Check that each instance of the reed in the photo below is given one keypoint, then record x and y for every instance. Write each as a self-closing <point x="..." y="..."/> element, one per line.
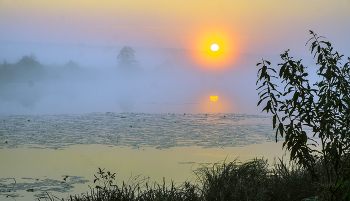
<point x="251" y="180"/>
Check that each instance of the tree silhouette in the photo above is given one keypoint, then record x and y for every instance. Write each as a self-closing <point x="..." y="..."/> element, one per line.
<point x="28" y="61"/>
<point x="126" y="58"/>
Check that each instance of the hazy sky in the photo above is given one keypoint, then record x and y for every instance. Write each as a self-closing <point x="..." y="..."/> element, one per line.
<point x="257" y="26"/>
<point x="173" y="34"/>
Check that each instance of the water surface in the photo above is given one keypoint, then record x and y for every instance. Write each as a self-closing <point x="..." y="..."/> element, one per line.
<point x="60" y="154"/>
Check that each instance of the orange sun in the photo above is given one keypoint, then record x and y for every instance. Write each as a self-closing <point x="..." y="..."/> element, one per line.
<point x="214" y="49"/>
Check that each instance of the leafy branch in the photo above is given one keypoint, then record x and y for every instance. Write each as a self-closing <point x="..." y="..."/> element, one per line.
<point x="323" y="106"/>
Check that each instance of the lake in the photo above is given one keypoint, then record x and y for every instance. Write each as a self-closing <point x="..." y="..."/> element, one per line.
<point x="60" y="154"/>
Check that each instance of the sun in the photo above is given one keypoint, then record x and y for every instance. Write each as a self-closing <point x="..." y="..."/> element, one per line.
<point x="213" y="98"/>
<point x="214" y="47"/>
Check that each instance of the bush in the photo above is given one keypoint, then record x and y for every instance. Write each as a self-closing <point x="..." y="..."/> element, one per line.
<point x="323" y="106"/>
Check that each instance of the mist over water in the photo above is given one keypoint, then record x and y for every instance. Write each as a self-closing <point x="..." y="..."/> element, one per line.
<point x="41" y="78"/>
<point x="83" y="89"/>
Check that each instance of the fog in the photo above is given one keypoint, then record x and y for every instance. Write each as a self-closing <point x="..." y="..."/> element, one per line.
<point x="37" y="78"/>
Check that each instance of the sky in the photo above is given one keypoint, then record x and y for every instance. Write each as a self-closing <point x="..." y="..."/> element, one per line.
<point x="257" y="26"/>
<point x="246" y="31"/>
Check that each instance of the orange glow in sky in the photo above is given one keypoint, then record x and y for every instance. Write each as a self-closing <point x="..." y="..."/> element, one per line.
<point x="205" y="57"/>
<point x="177" y="24"/>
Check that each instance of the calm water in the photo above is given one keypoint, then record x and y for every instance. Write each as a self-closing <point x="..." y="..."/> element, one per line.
<point x="38" y="152"/>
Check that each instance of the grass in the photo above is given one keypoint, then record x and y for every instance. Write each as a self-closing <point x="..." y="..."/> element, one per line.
<point x="252" y="180"/>
<point x="255" y="180"/>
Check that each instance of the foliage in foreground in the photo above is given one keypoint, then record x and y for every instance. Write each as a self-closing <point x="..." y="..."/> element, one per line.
<point x="252" y="180"/>
<point x="323" y="106"/>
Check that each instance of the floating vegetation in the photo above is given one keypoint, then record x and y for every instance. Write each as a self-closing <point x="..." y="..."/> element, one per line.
<point x="9" y="187"/>
<point x="134" y="130"/>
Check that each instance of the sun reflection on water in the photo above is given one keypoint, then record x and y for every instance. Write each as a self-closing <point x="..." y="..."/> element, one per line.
<point x="217" y="103"/>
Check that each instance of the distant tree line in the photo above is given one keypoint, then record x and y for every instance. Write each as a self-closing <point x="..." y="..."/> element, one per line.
<point x="28" y="68"/>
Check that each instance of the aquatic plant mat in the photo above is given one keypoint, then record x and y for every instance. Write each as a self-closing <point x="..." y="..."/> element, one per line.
<point x="134" y="130"/>
<point x="57" y="154"/>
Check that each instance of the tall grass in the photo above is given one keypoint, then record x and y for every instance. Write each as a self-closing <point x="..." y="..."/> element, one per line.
<point x="255" y="180"/>
<point x="252" y="180"/>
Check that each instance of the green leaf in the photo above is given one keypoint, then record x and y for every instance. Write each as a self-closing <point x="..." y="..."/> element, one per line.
<point x="293" y="152"/>
<point x="267" y="107"/>
<point x="280" y="127"/>
<point x="261" y="100"/>
<point x="274" y="121"/>
<point x="263" y="94"/>
<point x="320" y="57"/>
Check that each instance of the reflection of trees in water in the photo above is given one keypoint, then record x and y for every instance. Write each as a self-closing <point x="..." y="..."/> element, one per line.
<point x="26" y="94"/>
<point x="126" y="104"/>
<point x="22" y="81"/>
<point x="31" y="83"/>
<point x="129" y="75"/>
<point x="127" y="92"/>
<point x="18" y="81"/>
